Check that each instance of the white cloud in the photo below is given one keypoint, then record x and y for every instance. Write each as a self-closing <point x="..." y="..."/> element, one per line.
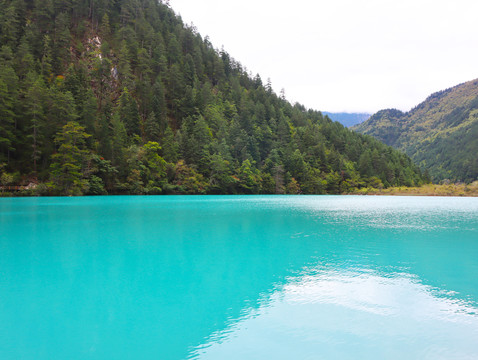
<point x="346" y="55"/>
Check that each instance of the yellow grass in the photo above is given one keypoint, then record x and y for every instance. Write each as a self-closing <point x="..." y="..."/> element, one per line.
<point x="426" y="190"/>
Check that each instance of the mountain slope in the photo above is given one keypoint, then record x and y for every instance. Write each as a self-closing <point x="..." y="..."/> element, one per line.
<point x="440" y="134"/>
<point x="347" y="119"/>
<point x="121" y="97"/>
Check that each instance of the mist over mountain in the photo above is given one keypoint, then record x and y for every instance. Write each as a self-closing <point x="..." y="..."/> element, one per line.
<point x="348" y="119"/>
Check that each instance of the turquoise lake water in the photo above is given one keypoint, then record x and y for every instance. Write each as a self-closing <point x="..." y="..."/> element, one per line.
<point x="239" y="277"/>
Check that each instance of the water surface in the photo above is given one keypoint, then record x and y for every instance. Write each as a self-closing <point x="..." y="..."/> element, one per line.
<point x="236" y="277"/>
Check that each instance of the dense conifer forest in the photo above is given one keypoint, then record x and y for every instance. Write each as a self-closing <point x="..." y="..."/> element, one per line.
<point x="121" y="97"/>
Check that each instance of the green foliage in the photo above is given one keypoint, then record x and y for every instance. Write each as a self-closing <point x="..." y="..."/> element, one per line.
<point x="34" y="103"/>
<point x="6" y="178"/>
<point x="120" y="97"/>
<point x="248" y="178"/>
<point x="69" y="162"/>
<point x="96" y="186"/>
<point x="128" y="112"/>
<point x="188" y="181"/>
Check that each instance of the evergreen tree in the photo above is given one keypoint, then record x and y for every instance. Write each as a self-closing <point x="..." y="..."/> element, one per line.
<point x="69" y="162"/>
<point x="7" y="123"/>
<point x="34" y="104"/>
<point x="128" y="113"/>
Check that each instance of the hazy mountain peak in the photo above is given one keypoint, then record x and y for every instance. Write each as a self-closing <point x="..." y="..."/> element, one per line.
<point x="347" y="119"/>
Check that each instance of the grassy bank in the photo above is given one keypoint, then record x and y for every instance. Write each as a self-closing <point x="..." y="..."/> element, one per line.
<point x="426" y="190"/>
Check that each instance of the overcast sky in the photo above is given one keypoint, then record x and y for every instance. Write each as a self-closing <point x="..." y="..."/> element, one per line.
<point x="346" y="55"/>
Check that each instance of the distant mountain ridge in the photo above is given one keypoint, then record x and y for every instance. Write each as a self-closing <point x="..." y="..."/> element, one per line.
<point x="347" y="119"/>
<point x="440" y="134"/>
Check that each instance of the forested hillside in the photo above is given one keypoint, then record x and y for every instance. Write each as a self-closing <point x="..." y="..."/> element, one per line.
<point x="440" y="134"/>
<point x="120" y="97"/>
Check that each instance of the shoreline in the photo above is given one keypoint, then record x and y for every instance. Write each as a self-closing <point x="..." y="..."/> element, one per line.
<point x="450" y="190"/>
<point x="457" y="190"/>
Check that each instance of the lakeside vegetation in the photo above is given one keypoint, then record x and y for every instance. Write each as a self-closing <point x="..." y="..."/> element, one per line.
<point x="121" y="97"/>
<point x="425" y="190"/>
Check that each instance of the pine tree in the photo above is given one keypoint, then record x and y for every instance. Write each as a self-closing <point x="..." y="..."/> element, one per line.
<point x="8" y="97"/>
<point x="69" y="162"/>
<point x="170" y="147"/>
<point x="46" y="60"/>
<point x="34" y="104"/>
<point x="7" y="123"/>
<point x="128" y="113"/>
